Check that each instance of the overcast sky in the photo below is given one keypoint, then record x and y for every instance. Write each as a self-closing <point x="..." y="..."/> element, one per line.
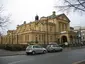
<point x="25" y="10"/>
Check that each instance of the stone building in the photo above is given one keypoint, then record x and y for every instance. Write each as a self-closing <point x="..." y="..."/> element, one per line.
<point x="53" y="28"/>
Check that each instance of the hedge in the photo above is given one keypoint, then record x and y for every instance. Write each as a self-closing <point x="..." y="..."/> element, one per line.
<point x="13" y="47"/>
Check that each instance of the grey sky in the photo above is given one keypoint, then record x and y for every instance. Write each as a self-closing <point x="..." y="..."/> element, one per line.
<point x="25" y="10"/>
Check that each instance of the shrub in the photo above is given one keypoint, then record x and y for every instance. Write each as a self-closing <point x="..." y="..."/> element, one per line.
<point x="13" y="47"/>
<point x="2" y="46"/>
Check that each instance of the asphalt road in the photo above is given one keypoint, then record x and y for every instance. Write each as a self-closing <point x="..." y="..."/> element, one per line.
<point x="64" y="57"/>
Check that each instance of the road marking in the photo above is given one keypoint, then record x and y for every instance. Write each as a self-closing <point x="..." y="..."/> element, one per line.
<point x="20" y="61"/>
<point x="78" y="62"/>
<point x="7" y="56"/>
<point x="10" y="56"/>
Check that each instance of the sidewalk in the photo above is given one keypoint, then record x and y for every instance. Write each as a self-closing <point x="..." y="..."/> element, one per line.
<point x="73" y="48"/>
<point x="10" y="53"/>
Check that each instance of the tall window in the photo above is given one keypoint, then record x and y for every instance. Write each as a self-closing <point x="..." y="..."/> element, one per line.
<point x="50" y="38"/>
<point x="39" y="27"/>
<point x="39" y="37"/>
<point x="51" y="28"/>
<point x="28" y="37"/>
<point x="66" y="26"/>
<point x="36" y="38"/>
<point x="59" y="27"/>
<point x="42" y="37"/>
<point x="62" y="27"/>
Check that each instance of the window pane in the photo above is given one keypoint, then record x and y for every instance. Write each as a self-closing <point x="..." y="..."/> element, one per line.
<point x="36" y="46"/>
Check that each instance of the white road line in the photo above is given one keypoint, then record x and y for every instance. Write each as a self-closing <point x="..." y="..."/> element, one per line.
<point x="10" y="56"/>
<point x="20" y="61"/>
<point x="7" y="56"/>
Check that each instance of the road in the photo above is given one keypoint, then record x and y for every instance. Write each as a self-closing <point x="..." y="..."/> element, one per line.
<point x="64" y="57"/>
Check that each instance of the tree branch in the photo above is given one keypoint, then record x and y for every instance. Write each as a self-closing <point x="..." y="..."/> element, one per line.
<point x="81" y="3"/>
<point x="74" y="5"/>
<point x="70" y="5"/>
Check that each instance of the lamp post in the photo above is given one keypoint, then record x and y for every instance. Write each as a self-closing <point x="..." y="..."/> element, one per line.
<point x="79" y="36"/>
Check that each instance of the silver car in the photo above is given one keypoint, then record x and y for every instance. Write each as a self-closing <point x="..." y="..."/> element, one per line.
<point x="35" y="49"/>
<point x="53" y="48"/>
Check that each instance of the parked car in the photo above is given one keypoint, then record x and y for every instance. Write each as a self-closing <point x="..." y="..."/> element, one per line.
<point x="53" y="48"/>
<point x="33" y="49"/>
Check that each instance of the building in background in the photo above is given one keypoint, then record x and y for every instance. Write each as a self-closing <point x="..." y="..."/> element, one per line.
<point x="53" y="28"/>
<point x="80" y="34"/>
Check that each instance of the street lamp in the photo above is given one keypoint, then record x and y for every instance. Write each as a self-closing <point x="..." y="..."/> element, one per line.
<point x="79" y="36"/>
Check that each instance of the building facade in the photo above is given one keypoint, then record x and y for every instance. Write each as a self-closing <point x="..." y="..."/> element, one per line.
<point x="53" y="28"/>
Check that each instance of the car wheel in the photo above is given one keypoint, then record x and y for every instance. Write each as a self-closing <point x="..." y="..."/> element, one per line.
<point x="44" y="51"/>
<point x="33" y="52"/>
<point x="61" y="50"/>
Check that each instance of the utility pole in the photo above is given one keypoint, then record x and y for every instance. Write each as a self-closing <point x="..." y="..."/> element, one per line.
<point x="79" y="36"/>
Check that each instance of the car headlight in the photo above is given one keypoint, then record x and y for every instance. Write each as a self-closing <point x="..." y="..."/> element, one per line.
<point x="30" y="50"/>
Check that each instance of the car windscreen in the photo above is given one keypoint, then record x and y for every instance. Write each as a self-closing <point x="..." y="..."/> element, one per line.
<point x="55" y="45"/>
<point x="29" y="46"/>
<point x="37" y="47"/>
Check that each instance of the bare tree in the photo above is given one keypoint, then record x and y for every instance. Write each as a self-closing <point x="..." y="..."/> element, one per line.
<point x="72" y="5"/>
<point x="4" y="20"/>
